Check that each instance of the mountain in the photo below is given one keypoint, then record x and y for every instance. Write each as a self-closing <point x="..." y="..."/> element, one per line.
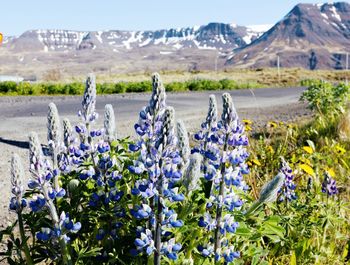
<point x="312" y="36"/>
<point x="212" y="36"/>
<point x="37" y="52"/>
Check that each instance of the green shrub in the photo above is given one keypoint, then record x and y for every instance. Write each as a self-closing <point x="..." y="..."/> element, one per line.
<point x="143" y="86"/>
<point x="8" y="86"/>
<point x="228" y="84"/>
<point x="176" y="86"/>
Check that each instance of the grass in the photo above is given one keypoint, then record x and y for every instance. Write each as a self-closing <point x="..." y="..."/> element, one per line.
<point x="228" y="79"/>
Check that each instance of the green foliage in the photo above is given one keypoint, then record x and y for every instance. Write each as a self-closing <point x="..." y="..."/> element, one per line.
<point x="326" y="98"/>
<point x="26" y="88"/>
<point x="313" y="229"/>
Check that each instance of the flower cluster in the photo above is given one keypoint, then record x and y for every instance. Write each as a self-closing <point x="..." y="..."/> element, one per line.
<point x="17" y="202"/>
<point x="222" y="145"/>
<point x="287" y="191"/>
<point x="45" y="195"/>
<point x="159" y="163"/>
<point x="60" y="230"/>
<point x="329" y="185"/>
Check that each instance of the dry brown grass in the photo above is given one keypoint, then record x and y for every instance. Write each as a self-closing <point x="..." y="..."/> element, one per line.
<point x="265" y="76"/>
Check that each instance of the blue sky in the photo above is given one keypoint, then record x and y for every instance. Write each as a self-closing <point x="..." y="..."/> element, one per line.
<point x="17" y="16"/>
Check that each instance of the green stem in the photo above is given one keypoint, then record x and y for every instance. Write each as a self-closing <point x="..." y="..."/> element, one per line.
<point x="192" y="244"/>
<point x="219" y="209"/>
<point x="24" y="241"/>
<point x="67" y="260"/>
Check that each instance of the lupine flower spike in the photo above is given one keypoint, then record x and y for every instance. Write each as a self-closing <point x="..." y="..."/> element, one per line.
<point x="17" y="202"/>
<point x="54" y="140"/>
<point x="44" y="196"/>
<point x="222" y="145"/>
<point x="183" y="144"/>
<point x="329" y="186"/>
<point x="159" y="158"/>
<point x="193" y="173"/>
<point x="109" y="124"/>
<point x="288" y="189"/>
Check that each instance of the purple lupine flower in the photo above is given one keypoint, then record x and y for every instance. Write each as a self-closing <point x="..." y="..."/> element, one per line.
<point x="145" y="242"/>
<point x="45" y="194"/>
<point x="17" y="202"/>
<point x="159" y="161"/>
<point x="329" y="185"/>
<point x="170" y="249"/>
<point x="287" y="191"/>
<point x="222" y="145"/>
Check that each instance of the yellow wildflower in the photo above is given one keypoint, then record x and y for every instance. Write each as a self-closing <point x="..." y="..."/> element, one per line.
<point x="272" y="124"/>
<point x="247" y="122"/>
<point x="256" y="162"/>
<point x="248" y="128"/>
<point x="270" y="149"/>
<point x="308" y="149"/>
<point x="340" y="150"/>
<point x="307" y="169"/>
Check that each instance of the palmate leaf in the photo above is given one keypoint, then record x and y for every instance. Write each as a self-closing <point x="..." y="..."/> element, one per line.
<point x="271" y="227"/>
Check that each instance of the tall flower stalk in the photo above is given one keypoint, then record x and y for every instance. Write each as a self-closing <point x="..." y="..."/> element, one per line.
<point x="54" y="139"/>
<point x="222" y="145"/>
<point x="17" y="202"/>
<point x="109" y="124"/>
<point x="158" y="162"/>
<point x="287" y="191"/>
<point x="44" y="196"/>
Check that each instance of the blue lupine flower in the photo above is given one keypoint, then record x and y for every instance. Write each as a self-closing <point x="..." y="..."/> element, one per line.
<point x="37" y="203"/>
<point x="100" y="234"/>
<point x="207" y="222"/>
<point x="137" y="168"/>
<point x="145" y="242"/>
<point x="206" y="250"/>
<point x="87" y="173"/>
<point x="141" y="212"/>
<point x="170" y="249"/>
<point x="115" y="195"/>
<point x="159" y="159"/>
<point x="45" y="234"/>
<point x="329" y="185"/>
<point x="222" y="145"/>
<point x="228" y="224"/>
<point x="103" y="147"/>
<point x="287" y="191"/>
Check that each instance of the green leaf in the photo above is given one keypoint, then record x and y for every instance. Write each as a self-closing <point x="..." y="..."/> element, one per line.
<point x="243" y="231"/>
<point x="90" y="185"/>
<point x="270" y="228"/>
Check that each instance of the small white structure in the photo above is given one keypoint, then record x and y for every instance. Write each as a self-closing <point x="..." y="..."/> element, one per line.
<point x="17" y="79"/>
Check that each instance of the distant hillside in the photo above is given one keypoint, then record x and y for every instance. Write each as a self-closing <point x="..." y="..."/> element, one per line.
<point x="70" y="52"/>
<point x="309" y="36"/>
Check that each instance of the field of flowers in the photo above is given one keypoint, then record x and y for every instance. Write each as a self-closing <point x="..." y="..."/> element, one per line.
<point x="226" y="194"/>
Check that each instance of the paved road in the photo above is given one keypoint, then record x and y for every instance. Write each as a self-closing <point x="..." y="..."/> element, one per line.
<point x="127" y="106"/>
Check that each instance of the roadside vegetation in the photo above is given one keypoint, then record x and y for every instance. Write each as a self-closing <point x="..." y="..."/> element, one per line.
<point x="178" y="81"/>
<point x="225" y="194"/>
<point x="25" y="88"/>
